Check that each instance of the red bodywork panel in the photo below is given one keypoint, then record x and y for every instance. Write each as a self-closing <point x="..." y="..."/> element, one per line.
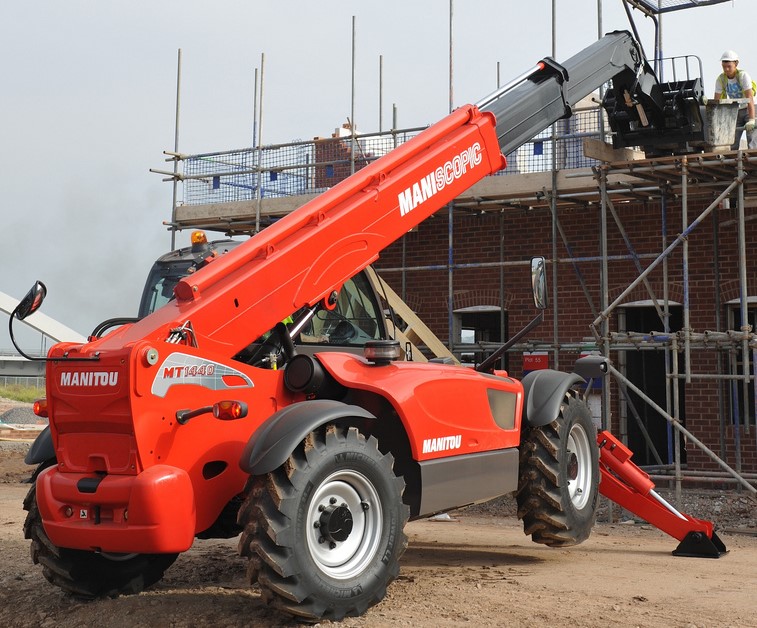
<point x="445" y="410"/>
<point x="123" y="429"/>
<point x="153" y="512"/>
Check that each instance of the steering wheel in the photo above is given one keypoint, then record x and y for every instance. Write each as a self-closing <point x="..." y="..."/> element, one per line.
<point x="342" y="333"/>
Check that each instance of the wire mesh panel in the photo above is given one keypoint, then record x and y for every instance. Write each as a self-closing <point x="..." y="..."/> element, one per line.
<point x="664" y="6"/>
<point x="310" y="167"/>
<point x="237" y="175"/>
<point x="292" y="169"/>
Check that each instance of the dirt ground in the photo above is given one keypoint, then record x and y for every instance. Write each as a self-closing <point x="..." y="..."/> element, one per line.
<point x="475" y="569"/>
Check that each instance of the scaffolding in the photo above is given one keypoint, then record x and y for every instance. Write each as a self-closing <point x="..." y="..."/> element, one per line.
<point x="306" y="168"/>
<point x="717" y="179"/>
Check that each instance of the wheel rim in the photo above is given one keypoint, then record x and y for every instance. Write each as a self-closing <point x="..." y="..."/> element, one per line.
<point x="579" y="468"/>
<point x="344" y="524"/>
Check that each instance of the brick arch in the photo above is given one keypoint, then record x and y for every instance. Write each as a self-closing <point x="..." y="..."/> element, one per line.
<point x="470" y="298"/>
<point x="640" y="292"/>
<point x="729" y="290"/>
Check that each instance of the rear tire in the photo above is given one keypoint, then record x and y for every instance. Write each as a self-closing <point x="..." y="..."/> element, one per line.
<point x="88" y="575"/>
<point x="324" y="532"/>
<point x="558" y="487"/>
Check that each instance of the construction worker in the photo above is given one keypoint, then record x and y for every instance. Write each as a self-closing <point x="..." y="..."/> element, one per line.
<point x="735" y="83"/>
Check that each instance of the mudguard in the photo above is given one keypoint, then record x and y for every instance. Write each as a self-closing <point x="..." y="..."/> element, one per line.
<point x="543" y="392"/>
<point x="42" y="448"/>
<point x="273" y="442"/>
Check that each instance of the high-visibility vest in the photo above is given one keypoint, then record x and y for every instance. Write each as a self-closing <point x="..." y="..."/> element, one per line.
<point x="724" y="83"/>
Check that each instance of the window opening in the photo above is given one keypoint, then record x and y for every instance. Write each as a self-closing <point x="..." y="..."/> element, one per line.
<point x="480" y="328"/>
<point x="647" y="370"/>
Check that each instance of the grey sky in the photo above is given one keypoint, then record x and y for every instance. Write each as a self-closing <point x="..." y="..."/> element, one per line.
<point x="89" y="93"/>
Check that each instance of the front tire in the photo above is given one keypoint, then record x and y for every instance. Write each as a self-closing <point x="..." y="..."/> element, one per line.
<point x="558" y="486"/>
<point x="325" y="531"/>
<point x="84" y="574"/>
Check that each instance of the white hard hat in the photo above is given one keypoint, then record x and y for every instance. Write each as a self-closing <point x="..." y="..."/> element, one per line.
<point x="729" y="55"/>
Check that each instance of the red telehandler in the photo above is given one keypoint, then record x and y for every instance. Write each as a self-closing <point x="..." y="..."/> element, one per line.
<point x="203" y="420"/>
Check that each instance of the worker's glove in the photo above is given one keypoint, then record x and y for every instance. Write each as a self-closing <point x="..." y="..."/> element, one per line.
<point x="749" y="126"/>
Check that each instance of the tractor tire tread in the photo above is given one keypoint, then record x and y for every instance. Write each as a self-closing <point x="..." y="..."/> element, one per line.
<point x="269" y="535"/>
<point x="83" y="574"/>
<point x="547" y="514"/>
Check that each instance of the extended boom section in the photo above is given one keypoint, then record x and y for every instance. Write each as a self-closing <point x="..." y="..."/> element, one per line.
<point x="662" y="118"/>
<point x="304" y="257"/>
<point x="550" y="92"/>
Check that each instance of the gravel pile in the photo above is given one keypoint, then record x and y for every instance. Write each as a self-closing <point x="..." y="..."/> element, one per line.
<point x="727" y="509"/>
<point x="19" y="416"/>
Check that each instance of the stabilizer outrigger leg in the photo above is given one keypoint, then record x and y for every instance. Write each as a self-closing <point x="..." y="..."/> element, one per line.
<point x="697" y="545"/>
<point x="628" y="486"/>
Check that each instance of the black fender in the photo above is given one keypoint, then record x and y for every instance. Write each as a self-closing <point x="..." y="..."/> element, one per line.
<point x="42" y="448"/>
<point x="544" y="392"/>
<point x="272" y="443"/>
<point x="592" y="366"/>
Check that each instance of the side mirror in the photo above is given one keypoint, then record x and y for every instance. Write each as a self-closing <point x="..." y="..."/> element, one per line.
<point x="31" y="302"/>
<point x="539" y="282"/>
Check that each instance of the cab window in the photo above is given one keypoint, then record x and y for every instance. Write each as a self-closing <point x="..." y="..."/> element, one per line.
<point x="354" y="320"/>
<point x="158" y="291"/>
